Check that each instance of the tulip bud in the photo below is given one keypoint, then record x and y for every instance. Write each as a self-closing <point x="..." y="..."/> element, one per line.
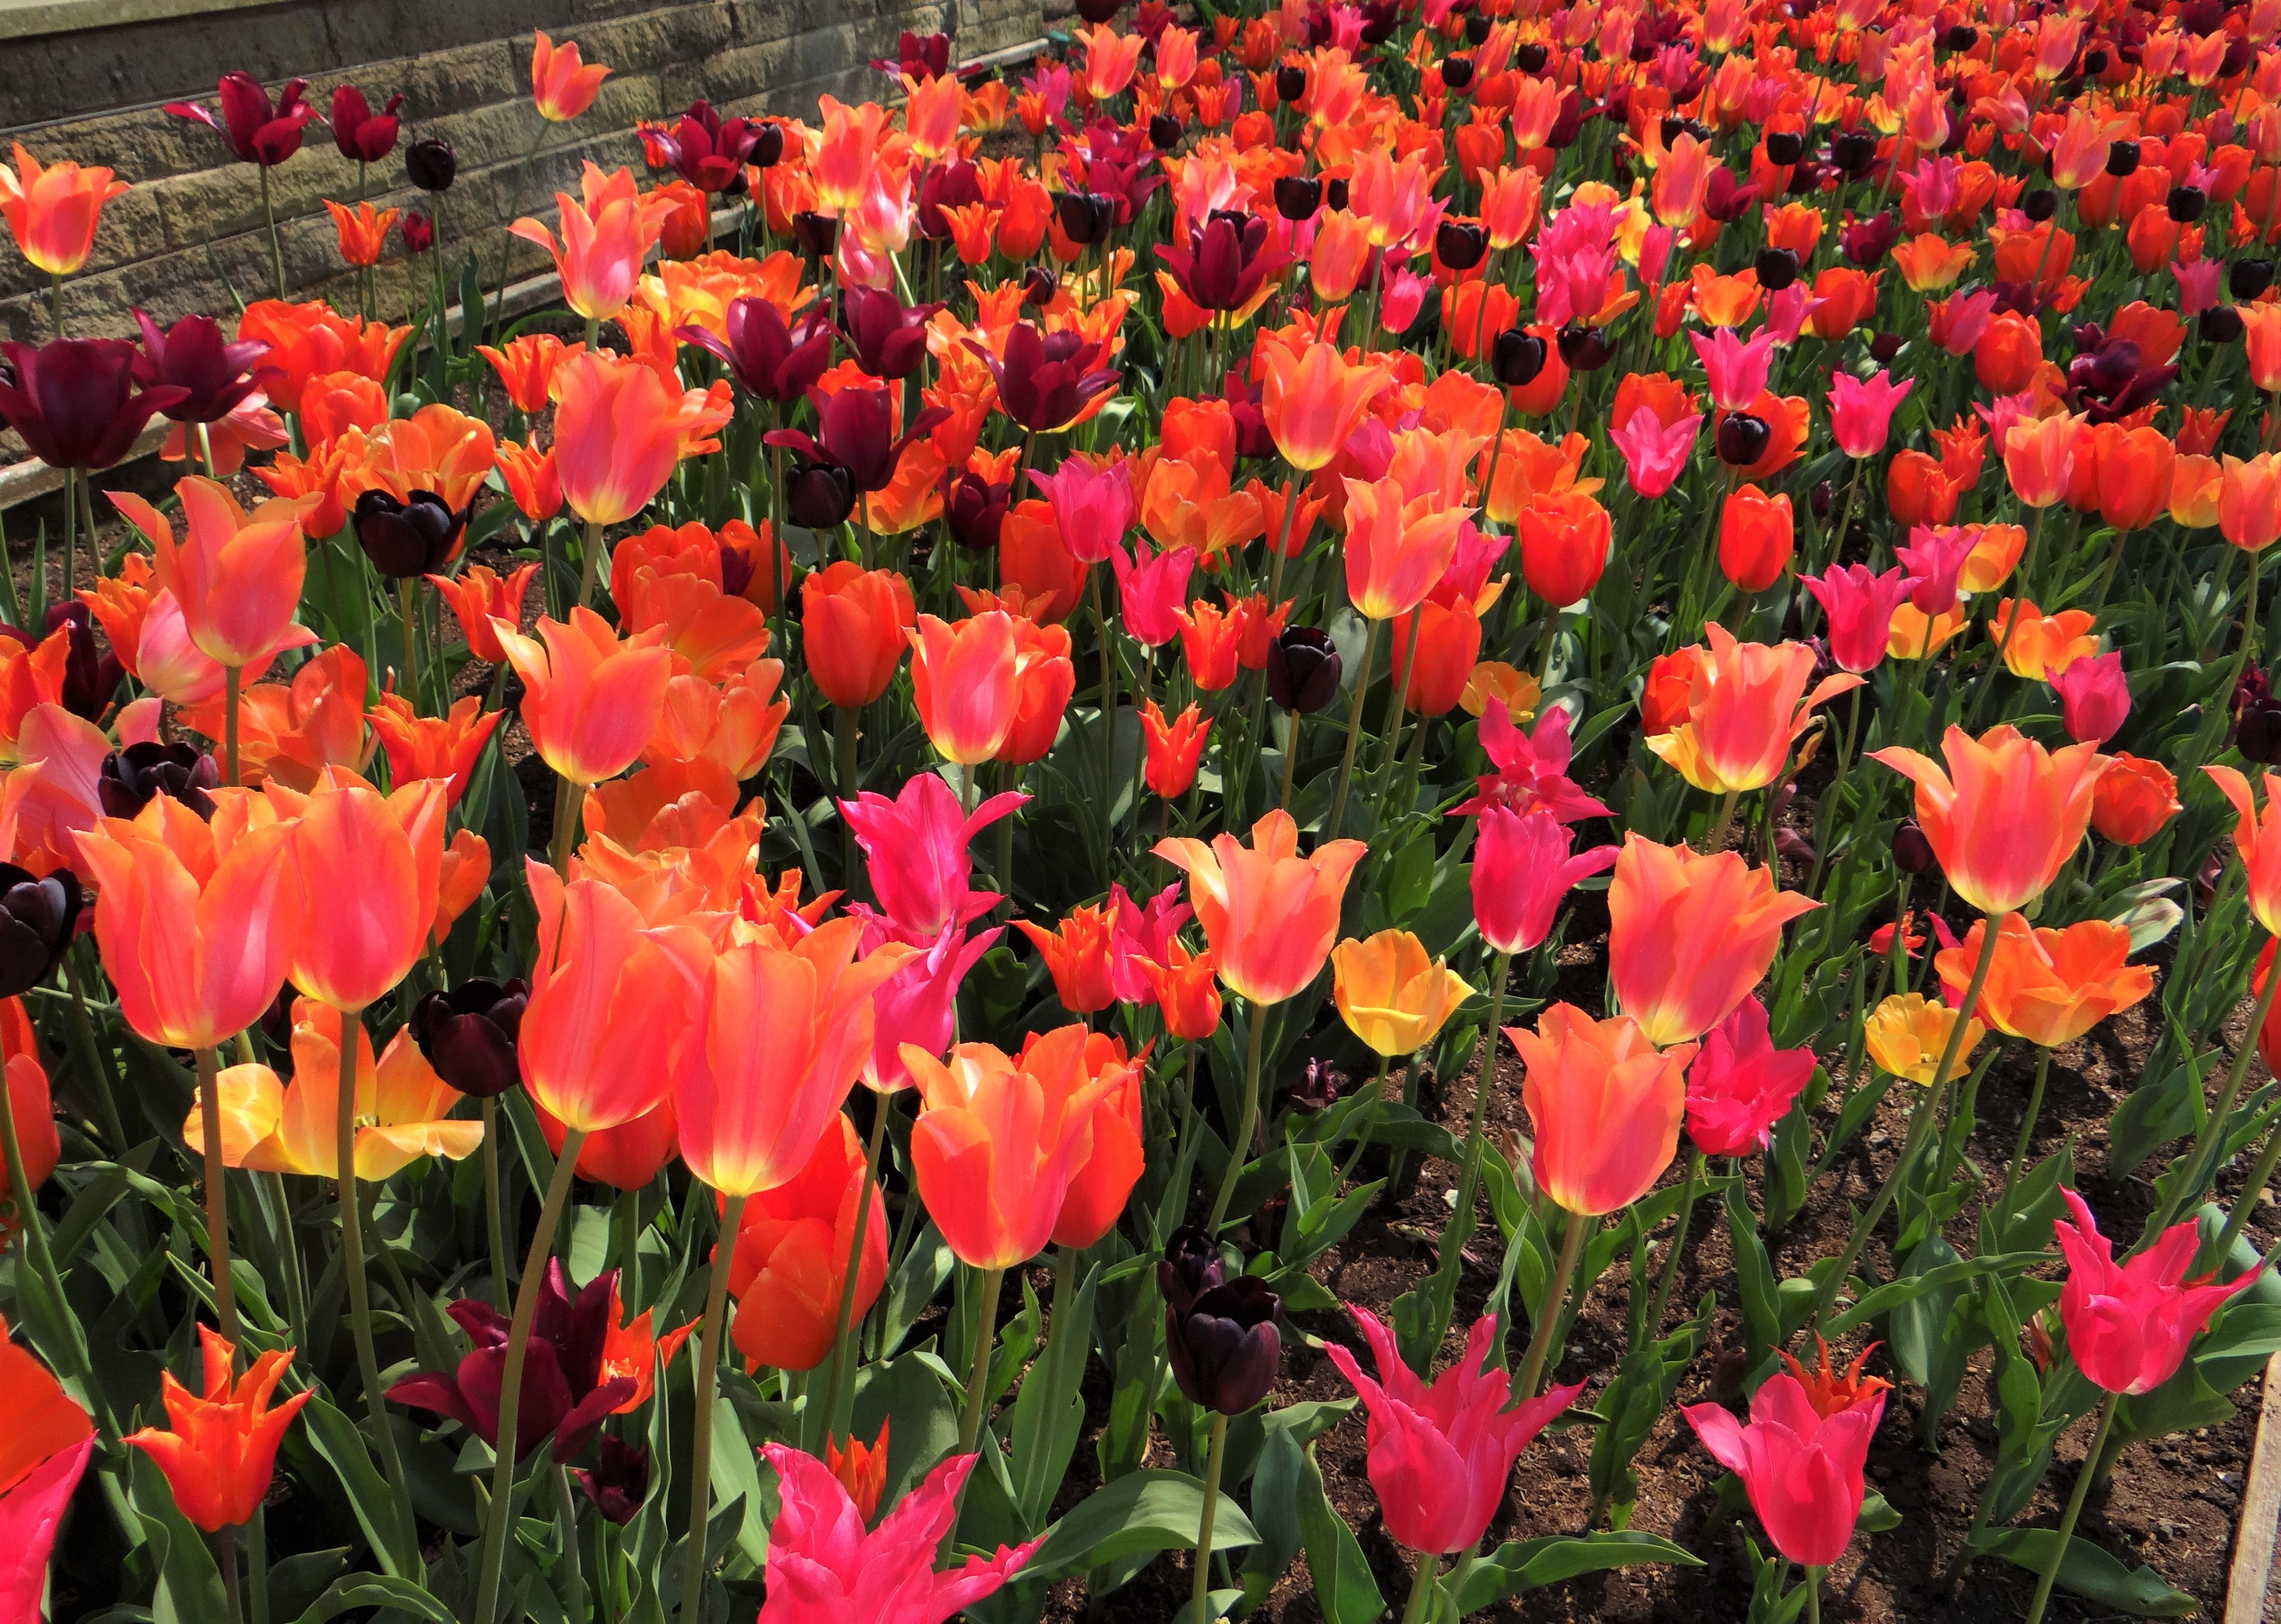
<point x="1459" y="244"/>
<point x="130" y="778"/>
<point x="1912" y="851"/>
<point x="1303" y="669"/>
<point x="1457" y="71"/>
<point x="1784" y="146"/>
<point x="2221" y="324"/>
<point x="1318" y="1087"/>
<point x="1516" y="357"/>
<point x="768" y="148"/>
<point x="431" y="165"/>
<point x="2122" y="160"/>
<point x="2256" y="720"/>
<point x="1853" y="151"/>
<point x="2245" y="279"/>
<point x="818" y="233"/>
<point x="1290" y="82"/>
<point x="975" y="512"/>
<point x="1743" y="439"/>
<point x="37" y="919"/>
<point x="1297" y="196"/>
<point x="1191" y="1266"/>
<point x="2094" y="64"/>
<point x="1823" y="498"/>
<point x="405" y="540"/>
<point x="417" y="230"/>
<point x="2040" y="204"/>
<point x="2205" y="879"/>
<point x="619" y="1480"/>
<point x="2186" y="204"/>
<point x="1085" y="217"/>
<point x="1334" y="191"/>
<point x="1884" y="347"/>
<point x="468" y="1034"/>
<point x="1777" y="268"/>
<point x="1529" y="59"/>
<point x="1164" y="131"/>
<point x="1225" y="1349"/>
<point x="819" y="495"/>
<point x="1039" y="286"/>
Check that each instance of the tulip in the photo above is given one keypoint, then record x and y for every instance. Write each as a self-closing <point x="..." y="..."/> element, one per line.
<point x="221" y="1451"/>
<point x="1799" y="1461"/>
<point x="889" y="340"/>
<point x="1690" y="935"/>
<point x="1390" y="995"/>
<point x="561" y="85"/>
<point x="1861" y="412"/>
<point x="1269" y="914"/>
<point x="708" y="151"/>
<point x="362" y="231"/>
<point x="1740" y="1084"/>
<point x="1522" y="870"/>
<point x="2249" y="502"/>
<point x="2039" y="456"/>
<point x="53" y="212"/>
<point x="855" y="434"/>
<point x="1745" y="704"/>
<point x="770" y="359"/>
<point x="236" y="575"/>
<point x="2133" y="800"/>
<point x="1313" y="400"/>
<point x="1736" y="371"/>
<point x="629" y="1156"/>
<point x="1755" y="538"/>
<point x="1174" y="749"/>
<point x="857" y="623"/>
<point x="1185" y="989"/>
<point x="617" y="440"/>
<point x="1395" y="550"/>
<point x="916" y="849"/>
<point x="2049" y="987"/>
<point x="1226" y="261"/>
<point x="1909" y="1035"/>
<point x="76" y="401"/>
<point x="1220" y="1335"/>
<point x="1860" y="609"/>
<point x="965" y="680"/>
<point x="214" y="374"/>
<point x="1093" y="506"/>
<point x="1605" y="1106"/>
<point x="790" y="1270"/>
<point x="366" y="866"/>
<point x="363" y="136"/>
<point x="1564" y="539"/>
<point x="2094" y="697"/>
<point x="2005" y="816"/>
<point x="1656" y="453"/>
<point x="1045" y="381"/>
<point x="824" y="1568"/>
<point x="468" y="1034"/>
<point x="39" y="918"/>
<point x="46" y="1450"/>
<point x="1077" y="953"/>
<point x="526" y="367"/>
<point x="605" y="234"/>
<point x="618" y="1483"/>
<point x="591" y="700"/>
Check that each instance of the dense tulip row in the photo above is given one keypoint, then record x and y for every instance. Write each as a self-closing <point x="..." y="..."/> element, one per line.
<point x="1727" y="535"/>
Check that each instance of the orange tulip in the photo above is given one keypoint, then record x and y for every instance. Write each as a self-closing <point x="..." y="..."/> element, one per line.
<point x="965" y="679"/>
<point x="1103" y="1182"/>
<point x="1187" y="990"/>
<point x="444" y="747"/>
<point x="363" y="231"/>
<point x="1269" y="914"/>
<point x="2133" y="800"/>
<point x="617" y="436"/>
<point x="236" y="575"/>
<point x="436" y="449"/>
<point x="533" y="481"/>
<point x="855" y="623"/>
<point x="1604" y="1104"/>
<point x="290" y="732"/>
<point x="2249" y="502"/>
<point x="1313" y="400"/>
<point x="999" y="1142"/>
<point x="615" y="1006"/>
<point x="2047" y="986"/>
<point x="589" y="700"/>
<point x="734" y="724"/>
<point x="1080" y="953"/>
<point x="1390" y="994"/>
<point x="785" y="1034"/>
<point x="222" y="1451"/>
<point x="561" y="86"/>
<point x="2197" y="485"/>
<point x="478" y="597"/>
<point x="2257" y="838"/>
<point x="1448" y="637"/>
<point x="790" y="1268"/>
<point x="605" y="238"/>
<point x="1395" y="551"/>
<point x="195" y="919"/>
<point x="2135" y="469"/>
<point x="2038" y="646"/>
<point x="2038" y="456"/>
<point x="2005" y="814"/>
<point x="1755" y="538"/>
<point x="367" y="867"/>
<point x="53" y="212"/>
<point x="629" y="1156"/>
<point x="526" y="365"/>
<point x="1044" y="679"/>
<point x="1689" y="936"/>
<point x="1746" y="703"/>
<point x="1174" y="749"/>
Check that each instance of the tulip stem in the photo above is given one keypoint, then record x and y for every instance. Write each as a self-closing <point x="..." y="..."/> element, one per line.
<point x="232" y="682"/>
<point x="2223" y="1109"/>
<point x="590" y="562"/>
<point x="2027" y="1127"/>
<point x="352" y="1261"/>
<point x="35" y="1232"/>
<point x="978" y="1381"/>
<point x="2251" y="1188"/>
<point x="1108" y="701"/>
<point x="1201" y="1610"/>
<point x="1540" y="1335"/>
<point x="1368" y="1112"/>
<point x="408" y="608"/>
<point x="276" y="252"/>
<point x="843" y="1361"/>
<point x="1689" y="1192"/>
<point x="2082" y="1481"/>
<point x="1484" y="1078"/>
<point x="217" y="1197"/>
<point x="226" y="1558"/>
<point x="562" y="837"/>
<point x="1921" y="1123"/>
<point x="700" y="1436"/>
<point x="1239" y="1143"/>
<point x="2012" y="621"/>
<point x="1717" y="839"/>
<point x="55" y="302"/>
<point x="1290" y="757"/>
<point x="518" y="1346"/>
<point x="1422" y="1587"/>
<point x="1400" y="711"/>
<point x="494" y="1205"/>
<point x="1354" y="731"/>
<point x="1814" y="1595"/>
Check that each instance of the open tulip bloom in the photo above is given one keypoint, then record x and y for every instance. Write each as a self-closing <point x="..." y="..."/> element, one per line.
<point x="1577" y="661"/>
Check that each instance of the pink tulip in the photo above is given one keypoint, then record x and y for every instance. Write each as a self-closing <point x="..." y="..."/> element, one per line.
<point x="1860" y="609"/>
<point x="1142" y="933"/>
<point x="31" y="1515"/>
<point x="1803" y="1468"/>
<point x="1967" y="320"/>
<point x="1522" y="870"/>
<point x="1861" y="412"/>
<point x="1737" y="370"/>
<point x="1740" y="1084"/>
<point x="1153" y="589"/>
<point x="1440" y="1456"/>
<point x="2094" y="698"/>
<point x="1093" y="506"/>
<point x="1532" y="769"/>
<point x="1934" y="558"/>
<point x="2129" y="1324"/>
<point x="1655" y="455"/>
<point x="915" y="849"/>
<point x="1789" y="310"/>
<point x="824" y="1568"/>
<point x="918" y="1004"/>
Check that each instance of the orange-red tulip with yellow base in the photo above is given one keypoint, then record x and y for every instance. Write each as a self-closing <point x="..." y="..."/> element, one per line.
<point x="1746" y="702"/>
<point x="1605" y="1105"/>
<point x="2006" y="813"/>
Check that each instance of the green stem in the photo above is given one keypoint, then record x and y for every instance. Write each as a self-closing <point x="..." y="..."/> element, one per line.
<point x="233" y="681"/>
<point x="1717" y="839"/>
<point x="1239" y="1142"/>
<point x="1354" y="731"/>
<point x="2068" y="1518"/>
<point x="566" y="1509"/>
<point x="2027" y="1127"/>
<point x="1484" y="1078"/>
<point x="700" y="1437"/>
<point x="494" y="1204"/>
<point x="1540" y="1335"/>
<point x="2213" y="1133"/>
<point x="1107" y="698"/>
<point x="217" y="1196"/>
<point x="1290" y="757"/>
<point x="843" y="1357"/>
<point x="518" y="1347"/>
<point x="977" y="1380"/>
<point x="1422" y="1588"/>
<point x="1814" y="1595"/>
<point x="226" y="1558"/>
<point x="1199" y="1608"/>
<point x="2252" y="1190"/>
<point x="1689" y="1192"/>
<point x="564" y="839"/>
<point x="55" y="302"/>
<point x="276" y="252"/>
<point x="352" y="1260"/>
<point x="407" y="606"/>
<point x="589" y="564"/>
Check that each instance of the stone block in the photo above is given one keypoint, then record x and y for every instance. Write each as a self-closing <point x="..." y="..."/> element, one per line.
<point x="182" y="58"/>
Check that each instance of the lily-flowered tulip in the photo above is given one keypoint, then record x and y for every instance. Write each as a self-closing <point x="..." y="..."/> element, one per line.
<point x="1174" y="749"/>
<point x="236" y="575"/>
<point x="1909" y="1034"/>
<point x="824" y="1568"/>
<point x="48" y="1442"/>
<point x="1395" y="551"/>
<point x="2048" y="986"/>
<point x="561" y="85"/>
<point x="257" y="129"/>
<point x="2128" y="1325"/>
<point x="770" y="358"/>
<point x="1269" y="914"/>
<point x="2005" y="814"/>
<point x="1745" y="703"/>
<point x="1440" y="1456"/>
<point x="790" y="1268"/>
<point x="196" y="918"/>
<point x="1690" y="935"/>
<point x="1046" y="381"/>
<point x="1740" y="1084"/>
<point x="917" y="850"/>
<point x="1522" y="870"/>
<point x="2249" y="502"/>
<point x="1313" y="400"/>
<point x="591" y="700"/>
<point x="2257" y="838"/>
<point x="1800" y="1461"/>
<point x="1861" y="412"/>
<point x="75" y="401"/>
<point x="605" y="234"/>
<point x="1605" y="1105"/>
<point x="618" y="436"/>
<point x="366" y="866"/>
<point x="52" y="210"/>
<point x="1390" y="994"/>
<point x="2040" y="457"/>
<point x="215" y="374"/>
<point x="1860" y="609"/>
<point x="222" y="1450"/>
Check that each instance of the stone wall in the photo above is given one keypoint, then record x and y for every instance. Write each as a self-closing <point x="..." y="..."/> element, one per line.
<point x="189" y="236"/>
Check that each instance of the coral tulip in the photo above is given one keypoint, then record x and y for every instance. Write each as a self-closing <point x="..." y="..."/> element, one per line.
<point x="367" y="867"/>
<point x="236" y="575"/>
<point x="591" y="700"/>
<point x="1078" y="953"/>
<point x="617" y="436"/>
<point x="1269" y="914"/>
<point x="857" y="623"/>
<point x="1690" y="935"/>
<point x="1746" y="703"/>
<point x="1604" y="1104"/>
<point x="2039" y="456"/>
<point x="605" y="235"/>
<point x="222" y="1450"/>
<point x="790" y="1270"/>
<point x="53" y="212"/>
<point x="2005" y="814"/>
<point x="1395" y="551"/>
<point x="2048" y="986"/>
<point x="2249" y="502"/>
<point x="1313" y="400"/>
<point x="561" y="85"/>
<point x="2133" y="800"/>
<point x="965" y="678"/>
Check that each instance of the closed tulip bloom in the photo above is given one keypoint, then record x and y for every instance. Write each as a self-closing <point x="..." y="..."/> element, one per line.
<point x="2197" y="483"/>
<point x="2137" y="469"/>
<point x="1689" y="936"/>
<point x="1390" y="994"/>
<point x="2094" y="697"/>
<point x="1565" y="536"/>
<point x="1860" y="609"/>
<point x="1313" y="400"/>
<point x="2128" y="1325"/>
<point x="561" y="85"/>
<point x="2039" y="458"/>
<point x="222" y="1450"/>
<point x="2005" y="814"/>
<point x="617" y="436"/>
<point x="1221" y="1342"/>
<point x="1746" y="702"/>
<point x="613" y="1004"/>
<point x="999" y="1140"/>
<point x="1103" y="1181"/>
<point x="605" y="235"/>
<point x="1604" y="1104"/>
<point x="1755" y="538"/>
<point x="1861" y="412"/>
<point x="1800" y="1462"/>
<point x="1741" y="1085"/>
<point x="236" y="575"/>
<point x="2249" y="502"/>
<point x="2257" y="839"/>
<point x="787" y="1032"/>
<point x="1269" y="914"/>
<point x="1044" y="679"/>
<point x="1908" y="1034"/>
<point x="1174" y="749"/>
<point x="75" y="400"/>
<point x="965" y="678"/>
<point x="629" y="1156"/>
<point x="2133" y="800"/>
<point x="591" y="700"/>
<point x="367" y="867"/>
<point x="1522" y="870"/>
<point x="2048" y="986"/>
<point x="856" y="624"/>
<point x="195" y="918"/>
<point x="1395" y="551"/>
<point x="53" y="212"/>
<point x="790" y="1269"/>
<point x="1093" y="506"/>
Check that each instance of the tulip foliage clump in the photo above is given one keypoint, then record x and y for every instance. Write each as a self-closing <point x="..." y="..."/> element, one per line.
<point x="756" y="946"/>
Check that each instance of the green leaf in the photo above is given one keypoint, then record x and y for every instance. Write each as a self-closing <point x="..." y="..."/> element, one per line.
<point x="1049" y="1412"/>
<point x="378" y="1511"/>
<point x="1344" y="1588"/>
<point x="374" y="1591"/>
<point x="1531" y="1565"/>
<point x="2089" y="1571"/>
<point x="1147" y="1511"/>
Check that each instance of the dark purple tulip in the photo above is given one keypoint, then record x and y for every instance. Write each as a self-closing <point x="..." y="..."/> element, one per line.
<point x="818" y="495"/>
<point x="1866" y="242"/>
<point x="1253" y="439"/>
<point x="952" y="185"/>
<point x="1297" y="197"/>
<point x="1318" y="1085"/>
<point x="2256" y="719"/>
<point x="37" y="916"/>
<point x="1227" y="261"/>
<point x="1913" y="853"/>
<point x="216" y="374"/>
<point x="1039" y="286"/>
<point x="1098" y="12"/>
<point x="889" y="341"/>
<point x="132" y="777"/>
<point x="2245" y="279"/>
<point x="1459" y="244"/>
<point x="1516" y="356"/>
<point x="1785" y="147"/>
<point x="856" y="429"/>
<point x="1303" y="669"/>
<point x="769" y="358"/>
<point x="1743" y="439"/>
<point x="468" y="1034"/>
<point x="258" y="130"/>
<point x="705" y="150"/>
<point x="1085" y="217"/>
<point x="1777" y="268"/>
<point x="1045" y="380"/>
<point x="619" y="1482"/>
<point x="1853" y="151"/>
<point x="363" y="136"/>
<point x="431" y="165"/>
<point x="1191" y="1266"/>
<point x="816" y="234"/>
<point x="1457" y="74"/>
<point x="563" y="1390"/>
<point x="1726" y="198"/>
<point x="1225" y="1349"/>
<point x="976" y="511"/>
<point x="405" y="540"/>
<point x="74" y="399"/>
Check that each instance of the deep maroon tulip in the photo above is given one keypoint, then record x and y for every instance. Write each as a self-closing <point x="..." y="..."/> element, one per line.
<point x="1568" y="123"/>
<point x="2122" y="160"/>
<point x="2256" y="719"/>
<point x="363" y="136"/>
<point x="431" y="165"/>
<point x="1785" y="147"/>
<point x="1253" y="437"/>
<point x="1298" y="196"/>
<point x="2220" y="324"/>
<point x="1045" y="380"/>
<point x="1225" y="1349"/>
<point x="1318" y="1084"/>
<point x="2040" y="204"/>
<point x="1459" y="244"/>
<point x="1777" y="268"/>
<point x="1866" y="242"/>
<point x="1191" y="1266"/>
<point x="1039" y="286"/>
<point x="468" y="1034"/>
<point x="408" y="539"/>
<point x="1290" y="82"/>
<point x="1303" y="669"/>
<point x="132" y="777"/>
<point x="563" y="1390"/>
<point x="1743" y="439"/>
<point x="816" y="234"/>
<point x="1477" y="33"/>
<point x="258" y="131"/>
<point x="1516" y="357"/>
<point x="770" y="359"/>
<point x="1098" y="12"/>
<point x="1853" y="151"/>
<point x="705" y="150"/>
<point x="818" y="495"/>
<point x="2108" y="377"/>
<point x="2245" y="279"/>
<point x="1726" y="198"/>
<point x="976" y="510"/>
<point x="889" y="341"/>
<point x="619" y="1482"/>
<point x="37" y="918"/>
<point x="1529" y="59"/>
<point x="74" y="401"/>
<point x="1226" y="261"/>
<point x="1912" y="852"/>
<point x="1457" y="74"/>
<point x="921" y="56"/>
<point x="214" y="373"/>
<point x="856" y="430"/>
<point x="1584" y="349"/>
<point x="952" y="185"/>
<point x="90" y="676"/>
<point x="1085" y="217"/>
<point x="1164" y="131"/>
